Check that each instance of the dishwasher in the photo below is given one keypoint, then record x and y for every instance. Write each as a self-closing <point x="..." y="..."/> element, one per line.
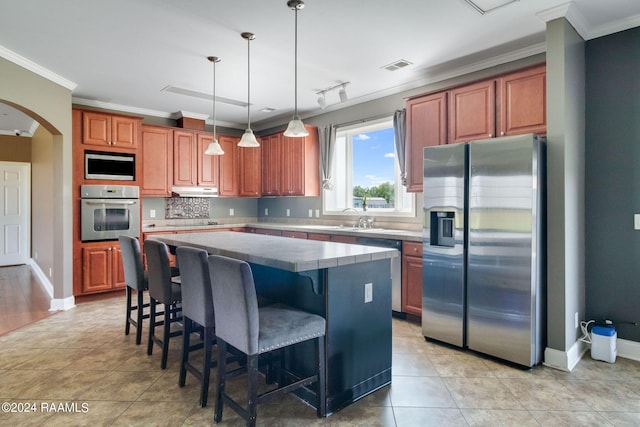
<point x="396" y="266"/>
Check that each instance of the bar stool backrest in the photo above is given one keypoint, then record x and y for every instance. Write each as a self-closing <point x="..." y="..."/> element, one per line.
<point x="158" y="271"/>
<point x="197" y="303"/>
<point x="132" y="262"/>
<point x="235" y="303"/>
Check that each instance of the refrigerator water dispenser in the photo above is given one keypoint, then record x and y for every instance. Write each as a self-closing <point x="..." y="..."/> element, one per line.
<point x="442" y="228"/>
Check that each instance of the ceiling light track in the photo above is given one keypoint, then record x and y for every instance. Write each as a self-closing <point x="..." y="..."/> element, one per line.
<point x="342" y="93"/>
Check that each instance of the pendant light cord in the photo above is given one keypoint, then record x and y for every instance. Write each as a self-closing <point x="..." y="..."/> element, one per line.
<point x="248" y="83"/>
<point x="295" y="56"/>
<point x="214" y="100"/>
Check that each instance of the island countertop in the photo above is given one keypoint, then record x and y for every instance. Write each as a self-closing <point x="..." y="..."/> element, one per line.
<point x="279" y="252"/>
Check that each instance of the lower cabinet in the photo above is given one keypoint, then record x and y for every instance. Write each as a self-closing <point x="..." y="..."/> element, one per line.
<point x="412" y="278"/>
<point x="102" y="268"/>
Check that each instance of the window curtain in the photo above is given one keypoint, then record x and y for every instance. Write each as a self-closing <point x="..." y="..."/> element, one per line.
<point x="327" y="139"/>
<point x="400" y="133"/>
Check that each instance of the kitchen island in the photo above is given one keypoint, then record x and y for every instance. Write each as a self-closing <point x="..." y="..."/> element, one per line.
<point x="349" y="285"/>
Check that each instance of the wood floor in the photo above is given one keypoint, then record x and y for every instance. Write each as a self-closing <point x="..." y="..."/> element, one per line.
<point x="22" y="298"/>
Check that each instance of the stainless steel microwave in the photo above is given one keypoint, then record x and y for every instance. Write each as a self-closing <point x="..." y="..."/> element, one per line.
<point x="109" y="166"/>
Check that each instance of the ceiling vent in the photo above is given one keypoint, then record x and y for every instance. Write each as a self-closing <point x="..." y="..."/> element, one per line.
<point x="401" y="63"/>
<point x="484" y="6"/>
<point x="207" y="96"/>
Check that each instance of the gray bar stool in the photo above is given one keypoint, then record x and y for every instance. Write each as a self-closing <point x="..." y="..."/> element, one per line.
<point x="197" y="309"/>
<point x="162" y="290"/>
<point x="255" y="331"/>
<point x="136" y="280"/>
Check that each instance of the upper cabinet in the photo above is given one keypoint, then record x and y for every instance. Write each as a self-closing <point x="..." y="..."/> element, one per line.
<point x="185" y="163"/>
<point x="271" y="161"/>
<point x="157" y="167"/>
<point x="510" y="104"/>
<point x="472" y="112"/>
<point x="427" y="119"/>
<point x="290" y="166"/>
<point x="208" y="166"/>
<point x="229" y="166"/>
<point x="250" y="174"/>
<point x="109" y="130"/>
<point x="191" y="167"/>
<point x="522" y="106"/>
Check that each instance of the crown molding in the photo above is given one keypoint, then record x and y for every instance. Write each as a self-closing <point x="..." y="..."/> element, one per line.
<point x="35" y="68"/>
<point x="571" y="13"/>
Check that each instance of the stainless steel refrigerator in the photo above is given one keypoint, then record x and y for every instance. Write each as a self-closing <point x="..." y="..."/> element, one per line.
<point x="484" y="275"/>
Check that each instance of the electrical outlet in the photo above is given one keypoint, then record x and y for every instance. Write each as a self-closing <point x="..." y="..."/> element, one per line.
<point x="50" y="272"/>
<point x="577" y="320"/>
<point x="231" y="212"/>
<point x="636" y="221"/>
<point x="266" y="211"/>
<point x="317" y="213"/>
<point x="310" y="213"/>
<point x="35" y="255"/>
<point x="368" y="292"/>
<point x="288" y="211"/>
<point x="152" y="213"/>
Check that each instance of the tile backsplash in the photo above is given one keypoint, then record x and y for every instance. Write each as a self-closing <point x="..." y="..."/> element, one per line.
<point x="186" y="207"/>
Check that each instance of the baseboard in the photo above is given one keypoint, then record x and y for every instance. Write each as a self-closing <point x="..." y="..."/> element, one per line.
<point x="628" y="349"/>
<point x="63" y="303"/>
<point x="56" y="303"/>
<point x="564" y="360"/>
<point x="42" y="278"/>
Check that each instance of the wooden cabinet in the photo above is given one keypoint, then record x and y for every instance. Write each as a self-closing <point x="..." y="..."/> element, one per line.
<point x="505" y="105"/>
<point x="191" y="167"/>
<point x="412" y="278"/>
<point x="157" y="164"/>
<point x="208" y="166"/>
<point x="250" y="174"/>
<point x="290" y="166"/>
<point x="271" y="164"/>
<point x="426" y="127"/>
<point x="102" y="268"/>
<point x="109" y="130"/>
<point x="185" y="165"/>
<point x="229" y="174"/>
<point x="522" y="102"/>
<point x="472" y="112"/>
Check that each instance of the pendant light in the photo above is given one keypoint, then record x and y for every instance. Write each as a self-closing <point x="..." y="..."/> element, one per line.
<point x="248" y="138"/>
<point x="296" y="127"/>
<point x="214" y="148"/>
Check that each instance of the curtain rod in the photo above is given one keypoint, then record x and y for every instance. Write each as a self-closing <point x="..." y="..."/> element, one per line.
<point x="368" y="119"/>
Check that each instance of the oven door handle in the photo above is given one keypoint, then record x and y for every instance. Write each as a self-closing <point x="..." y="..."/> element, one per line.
<point x="111" y="202"/>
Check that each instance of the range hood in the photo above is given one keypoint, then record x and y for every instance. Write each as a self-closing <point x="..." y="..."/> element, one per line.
<point x="194" y="191"/>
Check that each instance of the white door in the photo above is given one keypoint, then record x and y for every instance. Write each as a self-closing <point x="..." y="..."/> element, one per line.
<point x="15" y="214"/>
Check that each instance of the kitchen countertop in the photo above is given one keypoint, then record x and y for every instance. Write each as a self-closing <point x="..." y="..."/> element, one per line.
<point x="273" y="251"/>
<point x="384" y="233"/>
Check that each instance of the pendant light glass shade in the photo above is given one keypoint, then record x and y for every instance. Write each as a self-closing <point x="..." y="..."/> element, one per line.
<point x="296" y="128"/>
<point x="214" y="148"/>
<point x="248" y="138"/>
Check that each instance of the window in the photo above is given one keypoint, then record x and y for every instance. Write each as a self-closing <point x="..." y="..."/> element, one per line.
<point x="365" y="171"/>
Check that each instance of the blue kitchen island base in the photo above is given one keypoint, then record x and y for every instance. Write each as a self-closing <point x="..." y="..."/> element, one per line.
<point x="358" y="336"/>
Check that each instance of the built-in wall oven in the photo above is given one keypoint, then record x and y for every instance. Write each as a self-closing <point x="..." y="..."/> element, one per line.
<point x="109" y="211"/>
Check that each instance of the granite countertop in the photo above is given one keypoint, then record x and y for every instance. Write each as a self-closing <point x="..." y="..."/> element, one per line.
<point x="384" y="233"/>
<point x="273" y="251"/>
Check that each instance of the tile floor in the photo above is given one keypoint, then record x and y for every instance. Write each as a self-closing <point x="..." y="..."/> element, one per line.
<point x="82" y="356"/>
